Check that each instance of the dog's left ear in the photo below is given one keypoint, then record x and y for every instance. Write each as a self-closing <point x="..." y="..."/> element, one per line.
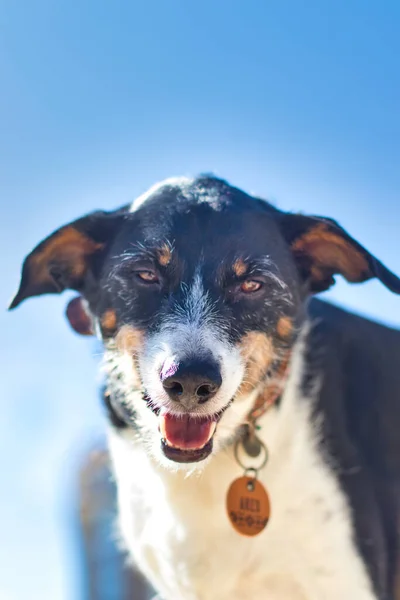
<point x="322" y="249"/>
<point x="66" y="258"/>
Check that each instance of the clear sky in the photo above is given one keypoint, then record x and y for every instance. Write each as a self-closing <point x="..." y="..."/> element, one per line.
<point x="295" y="101"/>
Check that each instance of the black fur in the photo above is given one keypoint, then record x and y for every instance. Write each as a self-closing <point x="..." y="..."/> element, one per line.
<point x="209" y="224"/>
<point x="359" y="403"/>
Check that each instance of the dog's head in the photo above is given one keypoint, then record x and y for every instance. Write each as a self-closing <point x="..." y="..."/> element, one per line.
<point x="198" y="291"/>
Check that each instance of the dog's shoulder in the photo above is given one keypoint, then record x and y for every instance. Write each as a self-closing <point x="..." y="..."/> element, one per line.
<point x="358" y="362"/>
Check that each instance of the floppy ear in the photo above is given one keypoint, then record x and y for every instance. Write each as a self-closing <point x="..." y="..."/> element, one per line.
<point x="66" y="258"/>
<point x="322" y="249"/>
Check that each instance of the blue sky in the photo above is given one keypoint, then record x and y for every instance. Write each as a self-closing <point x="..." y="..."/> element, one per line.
<point x="294" y="101"/>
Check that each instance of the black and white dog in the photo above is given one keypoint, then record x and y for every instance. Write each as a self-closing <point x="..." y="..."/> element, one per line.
<point x="201" y="295"/>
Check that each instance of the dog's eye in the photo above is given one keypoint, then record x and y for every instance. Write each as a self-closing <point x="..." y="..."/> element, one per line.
<point x="250" y="286"/>
<point x="147" y="276"/>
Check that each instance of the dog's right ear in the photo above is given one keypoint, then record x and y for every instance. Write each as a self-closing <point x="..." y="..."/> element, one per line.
<point x="65" y="258"/>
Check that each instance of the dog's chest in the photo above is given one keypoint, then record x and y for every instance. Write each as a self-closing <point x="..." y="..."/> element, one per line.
<point x="177" y="529"/>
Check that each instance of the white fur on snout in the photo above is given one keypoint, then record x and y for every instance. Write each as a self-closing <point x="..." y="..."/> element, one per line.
<point x="162" y="348"/>
<point x="192" y="332"/>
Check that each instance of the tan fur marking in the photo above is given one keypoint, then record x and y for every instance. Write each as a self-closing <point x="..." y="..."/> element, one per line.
<point x="258" y="352"/>
<point x="164" y="255"/>
<point x="284" y="327"/>
<point x="330" y="250"/>
<point x="69" y="247"/>
<point x="239" y="267"/>
<point x="129" y="339"/>
<point x="109" y="320"/>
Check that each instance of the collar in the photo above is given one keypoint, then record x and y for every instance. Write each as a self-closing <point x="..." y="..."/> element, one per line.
<point x="273" y="390"/>
<point x="264" y="402"/>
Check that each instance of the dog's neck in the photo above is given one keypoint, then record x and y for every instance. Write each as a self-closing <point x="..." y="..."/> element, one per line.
<point x="273" y="390"/>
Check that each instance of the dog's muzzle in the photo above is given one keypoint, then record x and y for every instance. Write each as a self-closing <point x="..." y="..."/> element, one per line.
<point x="187" y="435"/>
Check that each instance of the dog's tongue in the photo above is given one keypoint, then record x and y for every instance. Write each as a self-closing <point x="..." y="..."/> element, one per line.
<point x="185" y="432"/>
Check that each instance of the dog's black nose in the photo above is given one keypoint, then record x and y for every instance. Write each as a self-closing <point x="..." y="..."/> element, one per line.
<point x="193" y="382"/>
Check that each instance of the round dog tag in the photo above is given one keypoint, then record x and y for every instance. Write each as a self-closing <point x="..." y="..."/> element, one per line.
<point x="248" y="506"/>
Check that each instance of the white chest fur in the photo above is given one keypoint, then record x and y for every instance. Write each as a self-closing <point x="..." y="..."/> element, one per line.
<point x="176" y="528"/>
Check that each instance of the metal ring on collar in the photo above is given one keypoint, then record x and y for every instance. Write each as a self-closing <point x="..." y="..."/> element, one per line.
<point x="264" y="449"/>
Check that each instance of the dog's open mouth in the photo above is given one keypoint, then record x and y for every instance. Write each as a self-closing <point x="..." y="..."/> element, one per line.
<point x="186" y="438"/>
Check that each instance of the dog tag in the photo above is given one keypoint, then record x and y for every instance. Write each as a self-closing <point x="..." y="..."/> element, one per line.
<point x="248" y="505"/>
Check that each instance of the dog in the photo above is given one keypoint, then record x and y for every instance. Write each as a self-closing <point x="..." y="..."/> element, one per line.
<point x="253" y="429"/>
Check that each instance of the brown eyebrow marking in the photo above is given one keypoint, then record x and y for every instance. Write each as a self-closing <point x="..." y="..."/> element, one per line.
<point x="164" y="254"/>
<point x="239" y="267"/>
<point x="284" y="327"/>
